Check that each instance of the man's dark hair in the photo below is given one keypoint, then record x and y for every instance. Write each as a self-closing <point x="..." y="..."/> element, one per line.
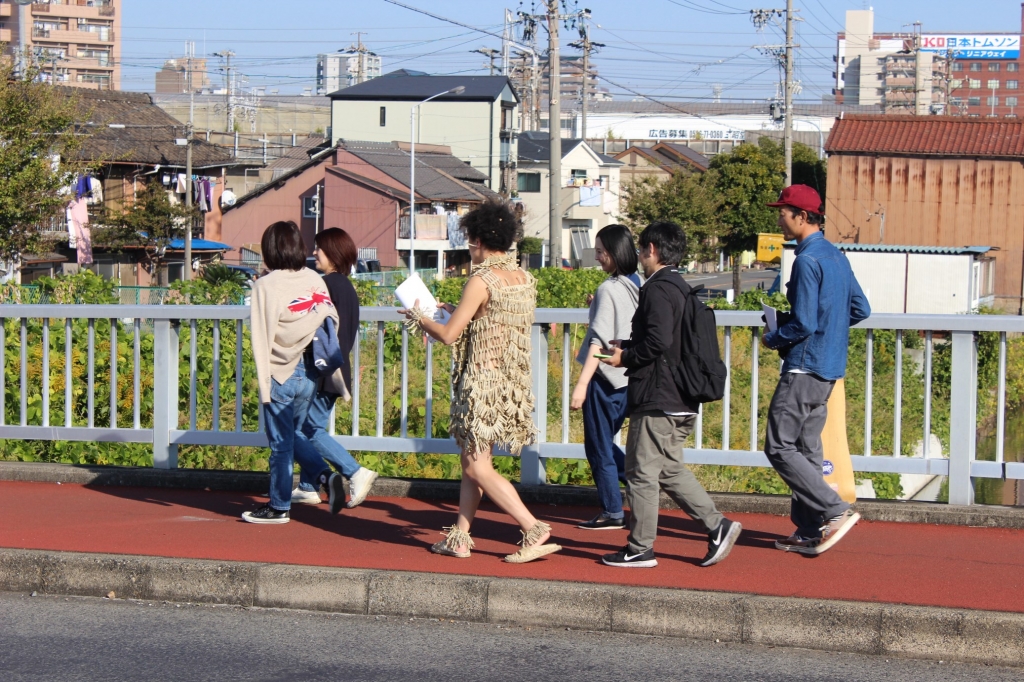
<point x="339" y="248"/>
<point x="668" y="238"/>
<point x="493" y="225"/>
<point x="282" y="247"/>
<point x="617" y="240"/>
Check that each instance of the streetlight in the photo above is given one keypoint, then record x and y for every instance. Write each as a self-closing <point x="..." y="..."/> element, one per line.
<point x="412" y="173"/>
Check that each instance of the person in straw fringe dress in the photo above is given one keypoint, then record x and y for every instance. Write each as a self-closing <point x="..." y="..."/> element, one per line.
<point x="489" y="332"/>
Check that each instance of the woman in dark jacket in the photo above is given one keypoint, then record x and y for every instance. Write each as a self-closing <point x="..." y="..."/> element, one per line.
<point x="335" y="255"/>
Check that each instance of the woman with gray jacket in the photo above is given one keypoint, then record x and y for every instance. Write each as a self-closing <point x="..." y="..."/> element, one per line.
<point x="601" y="389"/>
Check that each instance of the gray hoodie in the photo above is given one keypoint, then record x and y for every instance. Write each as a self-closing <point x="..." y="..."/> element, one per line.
<point x="611" y="315"/>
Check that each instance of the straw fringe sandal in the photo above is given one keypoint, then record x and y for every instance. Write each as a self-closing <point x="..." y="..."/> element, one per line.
<point x="456" y="537"/>
<point x="531" y="551"/>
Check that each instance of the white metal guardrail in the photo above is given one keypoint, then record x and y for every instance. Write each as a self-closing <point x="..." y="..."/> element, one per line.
<point x="174" y="424"/>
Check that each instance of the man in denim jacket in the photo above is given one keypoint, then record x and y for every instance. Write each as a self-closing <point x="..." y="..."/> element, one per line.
<point x="825" y="300"/>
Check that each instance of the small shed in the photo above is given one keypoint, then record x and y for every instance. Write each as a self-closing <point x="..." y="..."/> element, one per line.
<point x="918" y="279"/>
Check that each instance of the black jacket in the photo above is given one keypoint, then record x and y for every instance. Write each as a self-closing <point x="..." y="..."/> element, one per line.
<point x="346" y="303"/>
<point x="653" y="348"/>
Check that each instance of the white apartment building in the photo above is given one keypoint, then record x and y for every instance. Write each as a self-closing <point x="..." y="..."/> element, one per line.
<point x="345" y="68"/>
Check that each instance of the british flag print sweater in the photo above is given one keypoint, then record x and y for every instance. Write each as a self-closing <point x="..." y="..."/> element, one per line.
<point x="288" y="306"/>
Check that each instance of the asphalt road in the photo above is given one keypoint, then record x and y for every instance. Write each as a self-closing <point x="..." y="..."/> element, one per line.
<point x="56" y="638"/>
<point x="720" y="281"/>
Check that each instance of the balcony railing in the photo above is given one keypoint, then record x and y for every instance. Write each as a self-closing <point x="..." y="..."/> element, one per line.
<point x="147" y="405"/>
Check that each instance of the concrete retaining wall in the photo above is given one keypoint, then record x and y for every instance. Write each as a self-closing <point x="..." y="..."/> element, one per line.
<point x="871" y="628"/>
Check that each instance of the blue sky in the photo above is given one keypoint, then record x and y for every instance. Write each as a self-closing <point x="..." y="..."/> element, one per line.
<point x="669" y="49"/>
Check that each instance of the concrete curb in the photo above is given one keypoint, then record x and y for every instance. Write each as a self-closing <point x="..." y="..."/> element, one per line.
<point x="868" y="628"/>
<point x="426" y="489"/>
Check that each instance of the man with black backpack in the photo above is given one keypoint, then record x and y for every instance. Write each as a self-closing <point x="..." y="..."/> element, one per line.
<point x="662" y="402"/>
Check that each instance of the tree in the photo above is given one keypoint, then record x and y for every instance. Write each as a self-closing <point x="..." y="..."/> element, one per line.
<point x="151" y="223"/>
<point x="724" y="208"/>
<point x="686" y="199"/>
<point x="746" y="179"/>
<point x="38" y="157"/>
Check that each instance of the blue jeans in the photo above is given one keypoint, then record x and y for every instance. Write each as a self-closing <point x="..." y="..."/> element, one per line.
<point x="285" y="414"/>
<point x="315" y="430"/>
<point x="604" y="410"/>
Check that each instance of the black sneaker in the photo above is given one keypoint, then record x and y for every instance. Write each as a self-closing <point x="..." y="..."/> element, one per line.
<point x="336" y="492"/>
<point x="720" y="542"/>
<point x="602" y="522"/>
<point x="266" y="514"/>
<point x="624" y="559"/>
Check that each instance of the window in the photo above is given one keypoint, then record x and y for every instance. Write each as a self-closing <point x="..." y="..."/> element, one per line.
<point x="529" y="182"/>
<point x="955" y="83"/>
<point x="958" y="66"/>
<point x="367" y="253"/>
<point x="992" y="101"/>
<point x="975" y="66"/>
<point x="956" y="101"/>
<point x="1011" y="101"/>
<point x="993" y="85"/>
<point x="993" y="67"/>
<point x="1012" y="85"/>
<point x="1013" y="68"/>
<point x="309" y="206"/>
<point x="974" y="101"/>
<point x="974" y="83"/>
<point x="383" y="116"/>
<point x="579" y="174"/>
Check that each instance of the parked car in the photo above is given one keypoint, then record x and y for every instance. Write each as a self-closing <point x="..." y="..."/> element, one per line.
<point x="250" y="273"/>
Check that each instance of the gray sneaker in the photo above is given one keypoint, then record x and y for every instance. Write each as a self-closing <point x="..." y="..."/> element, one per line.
<point x="835" y="529"/>
<point x="359" y="486"/>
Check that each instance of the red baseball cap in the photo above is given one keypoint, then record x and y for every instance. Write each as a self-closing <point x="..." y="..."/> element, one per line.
<point x="802" y="197"/>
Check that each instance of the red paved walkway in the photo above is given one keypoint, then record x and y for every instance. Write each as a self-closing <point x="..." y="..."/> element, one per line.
<point x="977" y="568"/>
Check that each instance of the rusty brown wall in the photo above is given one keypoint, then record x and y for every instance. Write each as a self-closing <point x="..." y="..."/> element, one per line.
<point x="932" y="202"/>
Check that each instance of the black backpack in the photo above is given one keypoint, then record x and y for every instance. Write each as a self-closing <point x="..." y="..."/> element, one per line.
<point x="700" y="374"/>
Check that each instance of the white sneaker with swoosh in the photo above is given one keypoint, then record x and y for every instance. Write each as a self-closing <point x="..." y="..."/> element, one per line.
<point x="627" y="559"/>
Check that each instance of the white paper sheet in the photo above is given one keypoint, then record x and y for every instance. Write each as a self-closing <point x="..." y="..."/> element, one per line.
<point x="413" y="289"/>
<point x="770" y="316"/>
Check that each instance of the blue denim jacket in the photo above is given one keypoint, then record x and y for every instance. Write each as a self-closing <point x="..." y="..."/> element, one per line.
<point x="825" y="299"/>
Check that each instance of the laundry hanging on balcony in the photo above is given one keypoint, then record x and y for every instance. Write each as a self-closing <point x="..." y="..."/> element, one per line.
<point x="456" y="237"/>
<point x="590" y="196"/>
<point x="78" y="229"/>
<point x="202" y="193"/>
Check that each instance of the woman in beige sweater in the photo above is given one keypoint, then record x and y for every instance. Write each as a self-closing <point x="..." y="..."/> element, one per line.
<point x="288" y="306"/>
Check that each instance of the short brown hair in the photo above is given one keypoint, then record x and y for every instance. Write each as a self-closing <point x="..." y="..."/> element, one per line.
<point x="339" y="248"/>
<point x="282" y="247"/>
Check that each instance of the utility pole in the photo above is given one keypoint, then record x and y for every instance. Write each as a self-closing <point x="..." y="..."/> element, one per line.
<point x="189" y="131"/>
<point x="489" y="52"/>
<point x="787" y="130"/>
<point x="359" y="59"/>
<point x="555" y="138"/>
<point x="553" y="18"/>
<point x="585" y="45"/>
<point x="230" y="87"/>
<point x="761" y="17"/>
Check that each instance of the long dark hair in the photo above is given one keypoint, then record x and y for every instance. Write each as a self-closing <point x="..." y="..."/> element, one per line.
<point x="618" y="242"/>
